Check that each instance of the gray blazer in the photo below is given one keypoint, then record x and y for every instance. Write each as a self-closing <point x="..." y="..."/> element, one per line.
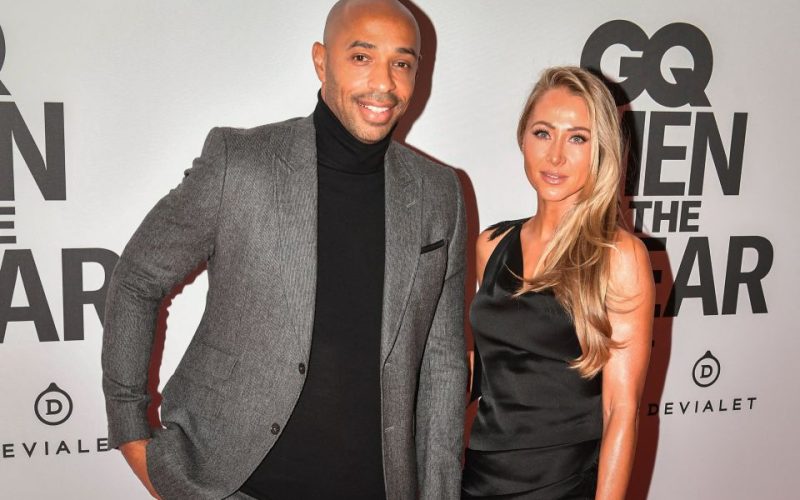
<point x="248" y="207"/>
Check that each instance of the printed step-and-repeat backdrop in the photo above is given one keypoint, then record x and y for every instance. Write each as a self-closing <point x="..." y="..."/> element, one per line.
<point x="103" y="104"/>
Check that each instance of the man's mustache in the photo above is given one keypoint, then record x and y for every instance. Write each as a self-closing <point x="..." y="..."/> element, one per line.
<point x="380" y="97"/>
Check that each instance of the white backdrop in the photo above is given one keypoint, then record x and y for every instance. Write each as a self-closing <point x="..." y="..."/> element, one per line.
<point x="142" y="83"/>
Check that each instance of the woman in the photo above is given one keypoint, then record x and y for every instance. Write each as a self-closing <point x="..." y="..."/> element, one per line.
<point x="563" y="317"/>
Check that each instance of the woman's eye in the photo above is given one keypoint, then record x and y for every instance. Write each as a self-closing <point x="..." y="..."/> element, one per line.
<point x="541" y="134"/>
<point x="579" y="139"/>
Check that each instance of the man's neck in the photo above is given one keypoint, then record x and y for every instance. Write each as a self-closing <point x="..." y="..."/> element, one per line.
<point x="338" y="149"/>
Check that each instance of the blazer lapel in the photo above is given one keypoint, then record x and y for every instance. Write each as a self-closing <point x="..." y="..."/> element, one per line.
<point x="297" y="226"/>
<point x="403" y="241"/>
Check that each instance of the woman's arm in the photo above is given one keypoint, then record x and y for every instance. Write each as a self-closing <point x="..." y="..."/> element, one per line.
<point x="631" y="302"/>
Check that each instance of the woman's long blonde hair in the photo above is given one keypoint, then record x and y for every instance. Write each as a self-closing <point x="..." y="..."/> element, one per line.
<point x="575" y="263"/>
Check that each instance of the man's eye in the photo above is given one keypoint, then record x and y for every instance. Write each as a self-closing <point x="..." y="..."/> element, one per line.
<point x="360" y="58"/>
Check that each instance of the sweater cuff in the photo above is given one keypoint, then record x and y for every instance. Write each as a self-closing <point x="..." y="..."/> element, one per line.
<point x="127" y="421"/>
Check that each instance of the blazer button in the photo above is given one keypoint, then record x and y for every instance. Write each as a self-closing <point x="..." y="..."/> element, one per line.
<point x="301" y="368"/>
<point x="275" y="429"/>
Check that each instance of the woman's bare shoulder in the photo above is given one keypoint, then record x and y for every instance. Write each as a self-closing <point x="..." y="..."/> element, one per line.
<point x="630" y="263"/>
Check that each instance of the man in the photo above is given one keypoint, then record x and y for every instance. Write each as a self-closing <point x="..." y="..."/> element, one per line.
<point x="330" y="360"/>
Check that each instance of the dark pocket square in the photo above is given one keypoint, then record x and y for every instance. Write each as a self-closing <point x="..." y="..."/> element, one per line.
<point x="432" y="246"/>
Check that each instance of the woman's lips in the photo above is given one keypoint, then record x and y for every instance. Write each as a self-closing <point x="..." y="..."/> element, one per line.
<point x="553" y="178"/>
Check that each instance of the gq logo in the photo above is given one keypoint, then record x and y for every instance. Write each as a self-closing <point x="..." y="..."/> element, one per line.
<point x="48" y="171"/>
<point x="642" y="69"/>
<point x="706" y="370"/>
<point x="53" y="406"/>
<point x="3" y="90"/>
<point x="19" y="274"/>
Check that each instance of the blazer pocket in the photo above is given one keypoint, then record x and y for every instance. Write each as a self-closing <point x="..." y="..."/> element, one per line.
<point x="432" y="246"/>
<point x="183" y="393"/>
<point x="209" y="360"/>
<point x="204" y="402"/>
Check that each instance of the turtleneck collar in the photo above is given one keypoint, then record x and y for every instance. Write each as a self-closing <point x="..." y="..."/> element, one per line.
<point x="338" y="149"/>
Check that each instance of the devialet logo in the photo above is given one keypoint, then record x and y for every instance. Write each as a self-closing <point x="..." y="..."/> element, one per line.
<point x="705" y="373"/>
<point x="53" y="406"/>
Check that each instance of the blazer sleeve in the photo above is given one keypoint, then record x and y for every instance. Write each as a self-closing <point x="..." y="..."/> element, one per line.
<point x="176" y="236"/>
<point x="443" y="378"/>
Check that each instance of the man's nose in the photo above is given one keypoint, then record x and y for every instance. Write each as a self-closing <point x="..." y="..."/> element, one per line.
<point x="381" y="78"/>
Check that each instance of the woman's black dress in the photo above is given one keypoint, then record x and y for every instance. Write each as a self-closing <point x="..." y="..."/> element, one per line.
<point x="538" y="428"/>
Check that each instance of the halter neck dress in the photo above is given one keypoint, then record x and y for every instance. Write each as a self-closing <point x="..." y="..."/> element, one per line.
<point x="539" y="423"/>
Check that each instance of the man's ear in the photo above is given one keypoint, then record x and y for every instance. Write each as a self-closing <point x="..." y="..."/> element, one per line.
<point x="318" y="52"/>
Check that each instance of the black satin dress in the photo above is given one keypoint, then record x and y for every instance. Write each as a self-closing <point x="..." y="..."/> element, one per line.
<point x="538" y="428"/>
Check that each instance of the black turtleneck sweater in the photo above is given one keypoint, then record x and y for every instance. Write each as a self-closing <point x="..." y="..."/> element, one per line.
<point x="331" y="446"/>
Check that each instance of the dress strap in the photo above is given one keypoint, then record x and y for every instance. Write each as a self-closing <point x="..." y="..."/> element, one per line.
<point x="499" y="257"/>
<point x="502" y="227"/>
